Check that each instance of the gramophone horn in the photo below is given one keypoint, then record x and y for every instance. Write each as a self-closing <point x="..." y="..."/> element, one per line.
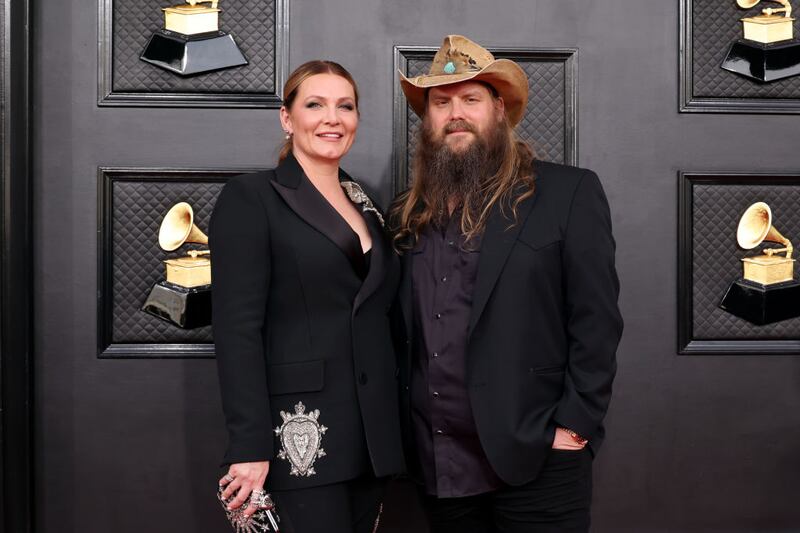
<point x="756" y="227"/>
<point x="178" y="228"/>
<point x="747" y="4"/>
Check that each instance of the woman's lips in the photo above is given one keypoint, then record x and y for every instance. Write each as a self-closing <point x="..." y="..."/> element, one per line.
<point x="330" y="137"/>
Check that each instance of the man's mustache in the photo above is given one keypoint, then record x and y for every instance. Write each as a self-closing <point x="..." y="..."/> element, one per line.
<point x="459" y="125"/>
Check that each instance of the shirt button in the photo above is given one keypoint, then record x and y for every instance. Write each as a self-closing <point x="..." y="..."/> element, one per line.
<point x="362" y="378"/>
<point x="435" y="354"/>
<point x="451" y="243"/>
<point x="435" y="394"/>
<point x="439" y="432"/>
<point x="438" y="316"/>
<point x="444" y="278"/>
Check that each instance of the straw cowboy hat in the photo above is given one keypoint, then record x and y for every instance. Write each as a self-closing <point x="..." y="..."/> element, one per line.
<point x="460" y="59"/>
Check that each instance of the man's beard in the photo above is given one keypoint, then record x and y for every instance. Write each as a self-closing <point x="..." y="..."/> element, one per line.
<point x="456" y="178"/>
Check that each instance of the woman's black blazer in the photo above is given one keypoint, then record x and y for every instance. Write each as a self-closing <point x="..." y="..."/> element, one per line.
<point x="299" y="317"/>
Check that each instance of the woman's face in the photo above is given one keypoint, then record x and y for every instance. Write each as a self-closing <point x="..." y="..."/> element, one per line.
<point x="323" y="118"/>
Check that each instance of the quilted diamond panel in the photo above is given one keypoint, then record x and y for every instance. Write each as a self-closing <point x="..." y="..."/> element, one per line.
<point x="416" y="67"/>
<point x="133" y="203"/>
<point x="715" y="25"/>
<point x="547" y="122"/>
<point x="717" y="209"/>
<point x="138" y="208"/>
<point x="251" y="22"/>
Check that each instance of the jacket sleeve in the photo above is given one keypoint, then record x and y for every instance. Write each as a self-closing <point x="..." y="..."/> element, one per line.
<point x="240" y="273"/>
<point x="594" y="323"/>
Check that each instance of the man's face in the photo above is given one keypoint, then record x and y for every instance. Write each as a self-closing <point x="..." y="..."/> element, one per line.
<point x="458" y="113"/>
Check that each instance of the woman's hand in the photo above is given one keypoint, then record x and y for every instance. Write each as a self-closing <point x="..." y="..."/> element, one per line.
<point x="242" y="479"/>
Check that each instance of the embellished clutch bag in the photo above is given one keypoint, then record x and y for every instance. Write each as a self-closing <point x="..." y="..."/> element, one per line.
<point x="262" y="521"/>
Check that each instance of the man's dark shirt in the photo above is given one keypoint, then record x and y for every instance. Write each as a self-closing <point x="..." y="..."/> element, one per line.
<point x="444" y="269"/>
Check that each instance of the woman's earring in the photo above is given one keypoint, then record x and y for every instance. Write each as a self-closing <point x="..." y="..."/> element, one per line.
<point x="288" y="135"/>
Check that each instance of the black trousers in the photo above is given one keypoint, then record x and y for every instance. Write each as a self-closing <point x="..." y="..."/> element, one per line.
<point x="351" y="506"/>
<point x="558" y="500"/>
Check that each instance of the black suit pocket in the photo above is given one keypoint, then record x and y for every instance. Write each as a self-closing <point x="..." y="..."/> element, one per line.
<point x="538" y="242"/>
<point x="306" y="376"/>
<point x="549" y="369"/>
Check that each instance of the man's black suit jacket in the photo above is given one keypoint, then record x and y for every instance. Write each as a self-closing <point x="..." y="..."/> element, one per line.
<point x="293" y="322"/>
<point x="544" y="324"/>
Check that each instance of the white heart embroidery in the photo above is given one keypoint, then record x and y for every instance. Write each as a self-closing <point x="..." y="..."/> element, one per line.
<point x="301" y="440"/>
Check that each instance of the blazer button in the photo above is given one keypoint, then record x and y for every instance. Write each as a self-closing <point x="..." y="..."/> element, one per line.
<point x="362" y="379"/>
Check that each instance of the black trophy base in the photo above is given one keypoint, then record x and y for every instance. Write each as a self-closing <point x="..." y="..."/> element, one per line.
<point x="764" y="62"/>
<point x="762" y="304"/>
<point x="184" y="307"/>
<point x="192" y="54"/>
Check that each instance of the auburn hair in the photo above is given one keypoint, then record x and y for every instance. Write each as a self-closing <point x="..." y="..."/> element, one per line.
<point x="296" y="79"/>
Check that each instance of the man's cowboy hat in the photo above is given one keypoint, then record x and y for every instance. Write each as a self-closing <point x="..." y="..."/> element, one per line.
<point x="460" y="59"/>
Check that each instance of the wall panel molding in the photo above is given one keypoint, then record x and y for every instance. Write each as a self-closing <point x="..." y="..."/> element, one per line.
<point x="710" y="207"/>
<point x="707" y="28"/>
<point x="16" y="265"/>
<point x="261" y="30"/>
<point x="132" y="203"/>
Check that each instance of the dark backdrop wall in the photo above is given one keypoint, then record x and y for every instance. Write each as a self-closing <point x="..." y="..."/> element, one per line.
<point x="696" y="443"/>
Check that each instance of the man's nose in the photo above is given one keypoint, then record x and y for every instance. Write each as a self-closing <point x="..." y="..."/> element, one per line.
<point x="456" y="110"/>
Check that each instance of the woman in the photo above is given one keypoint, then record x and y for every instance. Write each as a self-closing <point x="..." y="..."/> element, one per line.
<point x="303" y="280"/>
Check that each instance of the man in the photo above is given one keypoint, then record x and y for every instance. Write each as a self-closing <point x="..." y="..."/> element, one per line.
<point x="509" y="308"/>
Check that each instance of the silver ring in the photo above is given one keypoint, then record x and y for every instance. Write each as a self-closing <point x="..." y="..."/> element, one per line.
<point x="228" y="478"/>
<point x="261" y="499"/>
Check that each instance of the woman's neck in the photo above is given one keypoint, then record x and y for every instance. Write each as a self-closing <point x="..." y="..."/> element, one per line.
<point x="323" y="174"/>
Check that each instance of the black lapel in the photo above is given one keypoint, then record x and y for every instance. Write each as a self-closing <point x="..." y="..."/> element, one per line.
<point x="496" y="244"/>
<point x="309" y="204"/>
<point x="378" y="262"/>
<point x="405" y="291"/>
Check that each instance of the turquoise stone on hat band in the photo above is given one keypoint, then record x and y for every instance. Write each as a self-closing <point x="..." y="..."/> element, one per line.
<point x="449" y="68"/>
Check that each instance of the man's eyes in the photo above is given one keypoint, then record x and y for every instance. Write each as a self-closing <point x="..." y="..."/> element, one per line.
<point x="469" y="100"/>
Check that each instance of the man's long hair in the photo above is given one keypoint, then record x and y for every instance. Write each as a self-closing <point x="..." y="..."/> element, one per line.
<point x="505" y="179"/>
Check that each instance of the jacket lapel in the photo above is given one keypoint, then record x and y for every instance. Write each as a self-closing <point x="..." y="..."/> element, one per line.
<point x="379" y="259"/>
<point x="405" y="291"/>
<point x="309" y="204"/>
<point x="496" y="244"/>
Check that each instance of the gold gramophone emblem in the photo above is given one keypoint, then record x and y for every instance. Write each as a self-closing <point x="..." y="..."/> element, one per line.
<point x="755" y="227"/>
<point x="184" y="298"/>
<point x="767" y="51"/>
<point x="768" y="27"/>
<point x="767" y="291"/>
<point x="191" y="41"/>
<point x="192" y="17"/>
<point x="177" y="229"/>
